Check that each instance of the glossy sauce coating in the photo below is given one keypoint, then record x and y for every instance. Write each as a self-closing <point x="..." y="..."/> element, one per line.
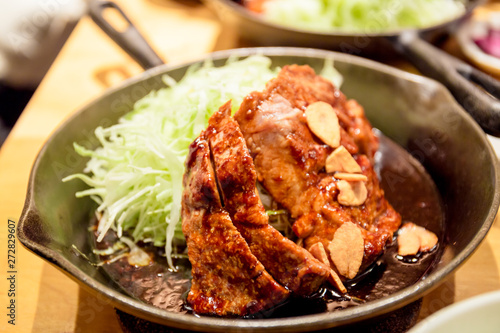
<point x="407" y="187"/>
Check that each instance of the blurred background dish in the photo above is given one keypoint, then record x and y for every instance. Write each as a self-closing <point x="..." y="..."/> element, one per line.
<point x="477" y="314"/>
<point x="355" y="15"/>
<point x="482" y="30"/>
<point x="479" y="40"/>
<point x="367" y="41"/>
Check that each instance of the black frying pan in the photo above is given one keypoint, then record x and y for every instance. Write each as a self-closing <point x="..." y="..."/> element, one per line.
<point x="476" y="91"/>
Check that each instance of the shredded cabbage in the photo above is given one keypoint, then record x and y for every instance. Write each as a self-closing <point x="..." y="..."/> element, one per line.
<point x="135" y="176"/>
<point x="366" y="16"/>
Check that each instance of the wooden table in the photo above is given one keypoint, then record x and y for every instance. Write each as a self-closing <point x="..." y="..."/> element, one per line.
<point x="47" y="300"/>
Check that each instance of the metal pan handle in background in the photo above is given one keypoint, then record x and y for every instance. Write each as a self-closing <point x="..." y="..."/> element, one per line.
<point x="130" y="40"/>
<point x="477" y="92"/>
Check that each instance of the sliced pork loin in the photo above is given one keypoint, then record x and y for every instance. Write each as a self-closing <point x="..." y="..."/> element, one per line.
<point x="290" y="159"/>
<point x="228" y="280"/>
<point x="291" y="265"/>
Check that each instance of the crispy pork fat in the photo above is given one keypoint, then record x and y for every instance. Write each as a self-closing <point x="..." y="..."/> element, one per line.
<point x="227" y="278"/>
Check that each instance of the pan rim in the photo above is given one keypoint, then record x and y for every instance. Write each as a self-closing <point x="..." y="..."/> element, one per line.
<point x="302" y="323"/>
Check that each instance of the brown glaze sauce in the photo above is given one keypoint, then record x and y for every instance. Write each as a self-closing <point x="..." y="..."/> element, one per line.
<point x="408" y="188"/>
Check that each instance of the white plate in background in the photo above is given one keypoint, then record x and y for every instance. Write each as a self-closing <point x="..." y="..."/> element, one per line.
<point x="480" y="314"/>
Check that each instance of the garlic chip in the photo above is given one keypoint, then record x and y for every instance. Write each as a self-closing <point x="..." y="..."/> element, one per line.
<point x="351" y="193"/>
<point x="342" y="161"/>
<point x="347" y="249"/>
<point x="324" y="123"/>
<point x="319" y="252"/>
<point x="413" y="239"/>
<point x="352" y="177"/>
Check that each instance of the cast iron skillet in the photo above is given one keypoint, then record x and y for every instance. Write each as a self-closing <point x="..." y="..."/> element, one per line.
<point x="417" y="113"/>
<point x="476" y="91"/>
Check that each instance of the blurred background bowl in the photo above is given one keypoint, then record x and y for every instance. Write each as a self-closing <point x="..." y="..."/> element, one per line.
<point x="478" y="314"/>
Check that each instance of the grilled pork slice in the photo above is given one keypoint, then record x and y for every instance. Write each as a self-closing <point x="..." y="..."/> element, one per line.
<point x="290" y="159"/>
<point x="290" y="264"/>
<point x="227" y="278"/>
